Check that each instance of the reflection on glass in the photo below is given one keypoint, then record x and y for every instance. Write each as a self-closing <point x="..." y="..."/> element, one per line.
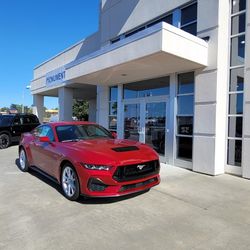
<point x="238" y="5"/>
<point x="112" y="123"/>
<point x="155" y="126"/>
<point x="113" y="93"/>
<point x="235" y="126"/>
<point x="132" y="122"/>
<point x="153" y="87"/>
<point x="184" y="148"/>
<point x="189" y="14"/>
<point x="236" y="104"/>
<point x="113" y="108"/>
<point x="192" y="29"/>
<point x="238" y="24"/>
<point x="234" y="152"/>
<point x="237" y="79"/>
<point x="166" y="19"/>
<point x="237" y="50"/>
<point x="185" y="125"/>
<point x="186" y="83"/>
<point x="185" y="105"/>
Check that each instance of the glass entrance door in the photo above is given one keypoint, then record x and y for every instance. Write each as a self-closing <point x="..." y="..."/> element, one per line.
<point x="132" y="126"/>
<point x="155" y="126"/>
<point x="145" y="121"/>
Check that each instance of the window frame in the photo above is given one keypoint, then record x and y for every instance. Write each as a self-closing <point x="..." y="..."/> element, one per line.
<point x="235" y="92"/>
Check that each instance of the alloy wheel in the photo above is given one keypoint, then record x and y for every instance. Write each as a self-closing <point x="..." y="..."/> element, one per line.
<point x="69" y="181"/>
<point x="22" y="159"/>
<point x="4" y="141"/>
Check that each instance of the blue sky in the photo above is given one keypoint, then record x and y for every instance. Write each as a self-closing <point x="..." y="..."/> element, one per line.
<point x="32" y="31"/>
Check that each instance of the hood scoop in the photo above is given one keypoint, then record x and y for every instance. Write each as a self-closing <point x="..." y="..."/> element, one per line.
<point x="125" y="149"/>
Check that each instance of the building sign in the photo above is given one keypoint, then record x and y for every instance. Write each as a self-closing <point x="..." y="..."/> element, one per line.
<point x="55" y="77"/>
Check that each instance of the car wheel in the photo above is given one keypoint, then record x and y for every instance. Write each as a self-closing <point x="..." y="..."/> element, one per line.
<point x="4" y="141"/>
<point x="23" y="161"/>
<point x="70" y="183"/>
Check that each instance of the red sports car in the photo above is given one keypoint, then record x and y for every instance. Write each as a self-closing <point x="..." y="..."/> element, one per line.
<point x="85" y="158"/>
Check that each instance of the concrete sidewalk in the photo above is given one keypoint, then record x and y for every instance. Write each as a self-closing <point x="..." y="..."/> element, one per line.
<point x="186" y="211"/>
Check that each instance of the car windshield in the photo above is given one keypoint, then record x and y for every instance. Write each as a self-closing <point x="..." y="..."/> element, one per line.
<point x="5" y="120"/>
<point x="66" y="133"/>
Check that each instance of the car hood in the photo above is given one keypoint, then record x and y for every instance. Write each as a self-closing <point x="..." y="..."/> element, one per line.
<point x="108" y="151"/>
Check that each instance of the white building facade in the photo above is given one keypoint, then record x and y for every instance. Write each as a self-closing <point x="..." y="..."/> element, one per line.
<point x="172" y="74"/>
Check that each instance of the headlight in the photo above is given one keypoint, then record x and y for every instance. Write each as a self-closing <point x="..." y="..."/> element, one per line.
<point x="96" y="167"/>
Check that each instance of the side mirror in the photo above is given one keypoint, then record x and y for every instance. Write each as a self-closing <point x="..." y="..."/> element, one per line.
<point x="44" y="139"/>
<point x="114" y="134"/>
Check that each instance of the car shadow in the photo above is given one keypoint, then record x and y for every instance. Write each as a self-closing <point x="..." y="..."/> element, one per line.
<point x="82" y="199"/>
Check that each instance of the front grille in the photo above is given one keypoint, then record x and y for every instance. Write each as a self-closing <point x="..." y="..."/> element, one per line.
<point x="136" y="171"/>
<point x="137" y="185"/>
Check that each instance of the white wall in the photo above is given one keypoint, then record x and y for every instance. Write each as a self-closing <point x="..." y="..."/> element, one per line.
<point x="246" y="123"/>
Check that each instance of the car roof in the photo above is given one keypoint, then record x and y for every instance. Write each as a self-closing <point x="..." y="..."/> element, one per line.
<point x="55" y="124"/>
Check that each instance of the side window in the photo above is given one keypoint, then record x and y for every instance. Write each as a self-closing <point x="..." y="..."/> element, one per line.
<point x="16" y="121"/>
<point x="26" y="120"/>
<point x="33" y="119"/>
<point x="47" y="131"/>
<point x="37" y="131"/>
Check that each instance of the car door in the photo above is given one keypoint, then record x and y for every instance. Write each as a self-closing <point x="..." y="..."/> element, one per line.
<point x="16" y="128"/>
<point x="45" y="153"/>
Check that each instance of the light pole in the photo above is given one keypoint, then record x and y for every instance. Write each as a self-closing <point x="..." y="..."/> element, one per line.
<point x="27" y="87"/>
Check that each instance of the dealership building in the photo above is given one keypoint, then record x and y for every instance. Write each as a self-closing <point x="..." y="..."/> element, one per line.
<point x="172" y="74"/>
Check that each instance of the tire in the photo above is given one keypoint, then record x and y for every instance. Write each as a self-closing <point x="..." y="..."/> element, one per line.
<point x="23" y="161"/>
<point x="70" y="183"/>
<point x="5" y="141"/>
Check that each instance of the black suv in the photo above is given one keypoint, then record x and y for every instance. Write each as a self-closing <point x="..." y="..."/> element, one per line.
<point x="13" y="125"/>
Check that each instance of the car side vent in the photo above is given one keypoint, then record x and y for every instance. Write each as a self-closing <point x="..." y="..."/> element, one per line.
<point x="125" y="149"/>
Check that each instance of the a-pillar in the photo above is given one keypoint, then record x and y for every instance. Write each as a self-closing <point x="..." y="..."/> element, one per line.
<point x="38" y="106"/>
<point x="65" y="104"/>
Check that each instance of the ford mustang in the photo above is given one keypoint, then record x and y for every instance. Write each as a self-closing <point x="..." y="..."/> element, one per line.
<point x="86" y="159"/>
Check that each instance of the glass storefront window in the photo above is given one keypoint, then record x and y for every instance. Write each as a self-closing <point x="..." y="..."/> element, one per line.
<point x="235" y="126"/>
<point x="238" y="5"/>
<point x="113" y="92"/>
<point x="185" y="105"/>
<point x="185" y="110"/>
<point x="113" y="108"/>
<point x="189" y="14"/>
<point x="238" y="24"/>
<point x="191" y="28"/>
<point x="237" y="50"/>
<point x="112" y="122"/>
<point x="236" y="79"/>
<point x="185" y="125"/>
<point x="147" y="88"/>
<point x="234" y="152"/>
<point x="184" y="148"/>
<point x="236" y="82"/>
<point x="189" y="19"/>
<point x="236" y="104"/>
<point x="186" y="83"/>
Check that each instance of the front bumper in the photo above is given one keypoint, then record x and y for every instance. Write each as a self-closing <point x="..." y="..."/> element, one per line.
<point x="102" y="184"/>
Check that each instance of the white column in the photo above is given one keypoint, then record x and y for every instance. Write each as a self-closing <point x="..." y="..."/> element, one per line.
<point x="102" y="110"/>
<point x="65" y="103"/>
<point x="210" y="111"/>
<point x="38" y="106"/>
<point x="92" y="110"/>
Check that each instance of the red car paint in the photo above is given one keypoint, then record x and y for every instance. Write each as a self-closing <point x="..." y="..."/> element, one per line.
<point x="50" y="156"/>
